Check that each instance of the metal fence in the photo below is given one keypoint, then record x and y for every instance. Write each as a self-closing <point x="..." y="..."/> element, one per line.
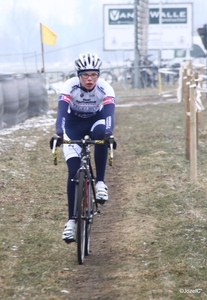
<point x="21" y="96"/>
<point x="152" y="81"/>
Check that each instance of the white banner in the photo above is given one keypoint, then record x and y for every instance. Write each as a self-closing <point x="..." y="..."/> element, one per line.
<point x="170" y="26"/>
<point x="118" y="27"/>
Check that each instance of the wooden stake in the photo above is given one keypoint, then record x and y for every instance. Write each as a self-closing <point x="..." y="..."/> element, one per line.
<point x="193" y="139"/>
<point x="186" y="112"/>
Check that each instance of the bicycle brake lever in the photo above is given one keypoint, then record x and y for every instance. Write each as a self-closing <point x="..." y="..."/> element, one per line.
<point x="54" y="143"/>
<point x="55" y="149"/>
<point x="111" y="153"/>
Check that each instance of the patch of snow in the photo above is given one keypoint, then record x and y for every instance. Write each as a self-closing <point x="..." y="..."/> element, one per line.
<point x="43" y="123"/>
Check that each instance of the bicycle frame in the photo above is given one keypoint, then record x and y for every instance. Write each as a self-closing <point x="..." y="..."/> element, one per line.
<point x="85" y="197"/>
<point x="85" y="166"/>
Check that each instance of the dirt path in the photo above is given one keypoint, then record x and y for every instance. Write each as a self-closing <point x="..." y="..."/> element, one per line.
<point x="95" y="279"/>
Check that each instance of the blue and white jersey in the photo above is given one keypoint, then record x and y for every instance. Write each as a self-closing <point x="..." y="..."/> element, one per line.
<point x="85" y="103"/>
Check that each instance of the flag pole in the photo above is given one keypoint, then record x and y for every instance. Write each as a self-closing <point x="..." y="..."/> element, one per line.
<point x="42" y="47"/>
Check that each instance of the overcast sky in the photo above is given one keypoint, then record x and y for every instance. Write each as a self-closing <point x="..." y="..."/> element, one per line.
<point x="76" y="22"/>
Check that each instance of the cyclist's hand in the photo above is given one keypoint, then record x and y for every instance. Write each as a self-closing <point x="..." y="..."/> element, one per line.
<point x="108" y="138"/>
<point x="59" y="141"/>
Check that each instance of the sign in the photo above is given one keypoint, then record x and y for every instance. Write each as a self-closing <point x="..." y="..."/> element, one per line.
<point x="121" y="16"/>
<point x="170" y="26"/>
<point x="169" y="16"/>
<point x="118" y="27"/>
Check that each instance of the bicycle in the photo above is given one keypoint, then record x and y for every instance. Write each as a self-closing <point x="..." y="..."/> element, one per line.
<point x="110" y="75"/>
<point x="85" y="202"/>
<point x="147" y="74"/>
<point x="54" y="81"/>
<point x="51" y="90"/>
<point x="71" y="74"/>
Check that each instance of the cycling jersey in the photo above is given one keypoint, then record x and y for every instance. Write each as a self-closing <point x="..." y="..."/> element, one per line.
<point x="78" y="101"/>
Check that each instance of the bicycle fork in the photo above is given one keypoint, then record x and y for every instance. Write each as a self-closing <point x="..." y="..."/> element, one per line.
<point x="88" y="185"/>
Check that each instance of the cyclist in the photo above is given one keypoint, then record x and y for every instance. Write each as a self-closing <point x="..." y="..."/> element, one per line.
<point x="85" y="107"/>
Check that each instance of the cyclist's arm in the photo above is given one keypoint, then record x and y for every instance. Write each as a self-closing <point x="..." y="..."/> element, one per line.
<point x="109" y="107"/>
<point x="63" y="104"/>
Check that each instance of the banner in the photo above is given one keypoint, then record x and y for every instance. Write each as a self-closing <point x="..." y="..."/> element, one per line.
<point x="48" y="36"/>
<point x="118" y="27"/>
<point x="170" y="26"/>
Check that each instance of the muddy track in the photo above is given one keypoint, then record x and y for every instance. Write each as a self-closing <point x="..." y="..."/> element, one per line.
<point x="93" y="279"/>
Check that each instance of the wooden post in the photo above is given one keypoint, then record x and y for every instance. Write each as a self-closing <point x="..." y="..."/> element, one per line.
<point x="193" y="144"/>
<point x="42" y="48"/>
<point x="201" y="72"/>
<point x="187" y="79"/>
<point x="197" y="113"/>
<point x="160" y="85"/>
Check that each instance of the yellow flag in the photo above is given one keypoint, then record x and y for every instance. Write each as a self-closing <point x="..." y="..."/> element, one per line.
<point x="48" y="36"/>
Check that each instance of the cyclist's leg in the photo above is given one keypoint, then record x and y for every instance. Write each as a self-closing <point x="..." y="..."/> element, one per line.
<point x="100" y="153"/>
<point x="73" y="165"/>
<point x="71" y="153"/>
<point x="73" y="130"/>
<point x="100" y="157"/>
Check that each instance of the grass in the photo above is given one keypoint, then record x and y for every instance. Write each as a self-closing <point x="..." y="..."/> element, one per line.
<point x="149" y="242"/>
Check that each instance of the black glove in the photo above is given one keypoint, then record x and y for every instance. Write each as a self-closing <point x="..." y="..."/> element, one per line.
<point x="108" y="139"/>
<point x="59" y="141"/>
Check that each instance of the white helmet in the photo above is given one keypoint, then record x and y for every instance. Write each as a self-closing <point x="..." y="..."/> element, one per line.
<point x="88" y="61"/>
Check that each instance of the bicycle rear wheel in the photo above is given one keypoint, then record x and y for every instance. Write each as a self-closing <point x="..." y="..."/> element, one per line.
<point x="81" y="218"/>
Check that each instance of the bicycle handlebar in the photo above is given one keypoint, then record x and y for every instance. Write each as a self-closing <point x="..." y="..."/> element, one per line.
<point x="85" y="141"/>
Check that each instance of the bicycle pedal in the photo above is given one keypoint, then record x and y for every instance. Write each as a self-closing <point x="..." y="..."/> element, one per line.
<point x="69" y="241"/>
<point x="100" y="201"/>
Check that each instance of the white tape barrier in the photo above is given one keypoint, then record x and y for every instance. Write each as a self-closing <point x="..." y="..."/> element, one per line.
<point x="166" y="71"/>
<point x="203" y="90"/>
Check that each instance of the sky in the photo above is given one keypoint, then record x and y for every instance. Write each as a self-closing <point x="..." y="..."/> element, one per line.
<point x="77" y="23"/>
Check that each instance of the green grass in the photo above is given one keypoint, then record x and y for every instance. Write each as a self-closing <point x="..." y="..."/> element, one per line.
<point x="148" y="242"/>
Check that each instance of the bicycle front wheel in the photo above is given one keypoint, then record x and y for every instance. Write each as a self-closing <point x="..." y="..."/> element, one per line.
<point x="90" y="212"/>
<point x="81" y="218"/>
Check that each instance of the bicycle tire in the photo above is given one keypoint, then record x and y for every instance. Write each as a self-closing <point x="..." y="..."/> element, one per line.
<point x="71" y="74"/>
<point x="88" y="239"/>
<point x="127" y="80"/>
<point x="81" y="218"/>
<point x="51" y="88"/>
<point x="107" y="76"/>
<point x="89" y="220"/>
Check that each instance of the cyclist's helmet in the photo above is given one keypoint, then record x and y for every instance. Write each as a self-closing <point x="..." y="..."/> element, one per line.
<point x="88" y="61"/>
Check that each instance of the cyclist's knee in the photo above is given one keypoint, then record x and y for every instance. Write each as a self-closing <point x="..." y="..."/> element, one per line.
<point x="98" y="132"/>
<point x="73" y="164"/>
